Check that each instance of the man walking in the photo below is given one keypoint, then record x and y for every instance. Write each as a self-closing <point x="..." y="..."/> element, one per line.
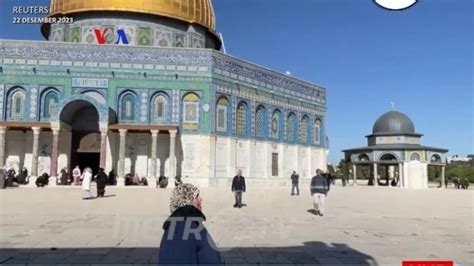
<point x="319" y="189"/>
<point x="294" y="184"/>
<point x="238" y="186"/>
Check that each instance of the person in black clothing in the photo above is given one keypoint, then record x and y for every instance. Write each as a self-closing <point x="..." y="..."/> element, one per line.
<point x="11" y="177"/>
<point x="3" y="178"/>
<point x="294" y="184"/>
<point x="238" y="186"/>
<point x="112" y="178"/>
<point x="43" y="180"/>
<point x="101" y="180"/>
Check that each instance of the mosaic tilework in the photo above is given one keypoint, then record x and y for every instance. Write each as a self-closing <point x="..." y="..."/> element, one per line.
<point x="33" y="103"/>
<point x="176" y="100"/>
<point x="143" y="106"/>
<point x="222" y="64"/>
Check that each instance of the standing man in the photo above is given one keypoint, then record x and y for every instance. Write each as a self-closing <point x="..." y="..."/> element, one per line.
<point x="294" y="184"/>
<point x="319" y="189"/>
<point x="238" y="186"/>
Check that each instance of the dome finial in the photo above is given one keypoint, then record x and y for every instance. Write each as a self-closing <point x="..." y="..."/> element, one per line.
<point x="393" y="105"/>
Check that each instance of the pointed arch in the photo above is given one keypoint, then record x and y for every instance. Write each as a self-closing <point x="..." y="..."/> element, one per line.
<point x="241" y="118"/>
<point x="317" y="131"/>
<point x="159" y="107"/>
<point x="190" y="105"/>
<point x="303" y="130"/>
<point x="222" y="108"/>
<point x="290" y="127"/>
<point x="16" y="103"/>
<point x="275" y="124"/>
<point x="260" y="114"/>
<point x="127" y="107"/>
<point x="49" y="103"/>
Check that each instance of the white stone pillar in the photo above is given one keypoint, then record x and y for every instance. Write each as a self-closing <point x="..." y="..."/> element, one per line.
<point x="400" y="173"/>
<point x="103" y="148"/>
<point x="34" y="156"/>
<point x="154" y="143"/>
<point x="354" y="174"/>
<point x="442" y="176"/>
<point x="3" y="134"/>
<point x="53" y="170"/>
<point x="376" y="181"/>
<point x="172" y="154"/>
<point x="121" y="160"/>
<point x="232" y="167"/>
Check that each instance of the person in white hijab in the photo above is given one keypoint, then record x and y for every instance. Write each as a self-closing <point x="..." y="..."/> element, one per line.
<point x="86" y="183"/>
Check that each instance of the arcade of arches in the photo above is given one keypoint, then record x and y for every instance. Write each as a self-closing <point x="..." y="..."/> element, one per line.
<point x="79" y="139"/>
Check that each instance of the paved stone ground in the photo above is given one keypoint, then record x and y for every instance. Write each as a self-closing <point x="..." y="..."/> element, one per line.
<point x="362" y="225"/>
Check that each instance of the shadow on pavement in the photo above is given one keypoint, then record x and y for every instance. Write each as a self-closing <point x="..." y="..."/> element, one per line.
<point x="314" y="253"/>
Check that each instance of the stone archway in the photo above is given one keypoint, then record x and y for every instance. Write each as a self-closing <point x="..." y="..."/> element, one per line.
<point x="82" y="118"/>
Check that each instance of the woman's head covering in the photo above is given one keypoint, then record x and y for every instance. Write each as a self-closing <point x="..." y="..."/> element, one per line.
<point x="183" y="195"/>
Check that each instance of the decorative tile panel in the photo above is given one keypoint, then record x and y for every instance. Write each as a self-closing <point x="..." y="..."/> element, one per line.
<point x="176" y="101"/>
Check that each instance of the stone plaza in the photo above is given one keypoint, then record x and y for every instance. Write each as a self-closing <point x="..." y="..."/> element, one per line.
<point x="362" y="226"/>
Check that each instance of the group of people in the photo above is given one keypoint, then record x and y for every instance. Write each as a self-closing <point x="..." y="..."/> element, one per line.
<point x="135" y="180"/>
<point x="459" y="182"/>
<point x="87" y="178"/>
<point x="9" y="178"/>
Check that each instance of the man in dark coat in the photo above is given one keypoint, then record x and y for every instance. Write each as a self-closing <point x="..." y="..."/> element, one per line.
<point x="238" y="186"/>
<point x="295" y="184"/>
<point x="101" y="180"/>
<point x="43" y="180"/>
<point x="3" y="178"/>
<point x="186" y="239"/>
<point x="319" y="189"/>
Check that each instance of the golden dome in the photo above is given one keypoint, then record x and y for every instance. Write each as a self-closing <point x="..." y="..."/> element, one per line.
<point x="191" y="11"/>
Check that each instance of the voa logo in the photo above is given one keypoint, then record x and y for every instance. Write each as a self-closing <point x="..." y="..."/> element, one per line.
<point x="395" y="4"/>
<point x="120" y="37"/>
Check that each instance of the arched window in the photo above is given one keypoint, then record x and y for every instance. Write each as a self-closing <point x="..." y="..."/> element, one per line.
<point x="159" y="107"/>
<point x="128" y="107"/>
<point x="221" y="114"/>
<point x="191" y="111"/>
<point x="17" y="100"/>
<point x="275" y="126"/>
<point x="415" y="156"/>
<point x="317" y="131"/>
<point x="290" y="127"/>
<point x="260" y="122"/>
<point x="50" y="103"/>
<point x="304" y="130"/>
<point x="241" y="121"/>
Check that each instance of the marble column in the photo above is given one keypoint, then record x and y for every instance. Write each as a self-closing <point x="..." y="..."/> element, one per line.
<point x="3" y="135"/>
<point x="34" y="156"/>
<point x="53" y="170"/>
<point x="172" y="154"/>
<point x="400" y="175"/>
<point x="103" y="148"/>
<point x="354" y="174"/>
<point x="376" y="181"/>
<point x="154" y="143"/>
<point x="442" y="176"/>
<point x="121" y="160"/>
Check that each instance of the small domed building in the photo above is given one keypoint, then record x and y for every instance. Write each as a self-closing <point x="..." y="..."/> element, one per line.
<point x="394" y="155"/>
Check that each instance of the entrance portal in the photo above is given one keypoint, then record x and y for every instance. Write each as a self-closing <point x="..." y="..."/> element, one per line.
<point x="83" y="119"/>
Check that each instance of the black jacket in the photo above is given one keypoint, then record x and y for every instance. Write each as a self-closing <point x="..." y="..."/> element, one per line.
<point x="295" y="178"/>
<point x="319" y="184"/>
<point x="191" y="246"/>
<point x="101" y="180"/>
<point x="238" y="183"/>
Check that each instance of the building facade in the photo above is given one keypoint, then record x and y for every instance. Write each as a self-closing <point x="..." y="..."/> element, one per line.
<point x="144" y="89"/>
<point x="394" y="154"/>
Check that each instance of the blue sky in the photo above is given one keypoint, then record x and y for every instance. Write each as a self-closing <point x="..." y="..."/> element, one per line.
<point x="421" y="59"/>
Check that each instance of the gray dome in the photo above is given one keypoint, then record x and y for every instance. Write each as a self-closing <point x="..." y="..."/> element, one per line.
<point x="393" y="123"/>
